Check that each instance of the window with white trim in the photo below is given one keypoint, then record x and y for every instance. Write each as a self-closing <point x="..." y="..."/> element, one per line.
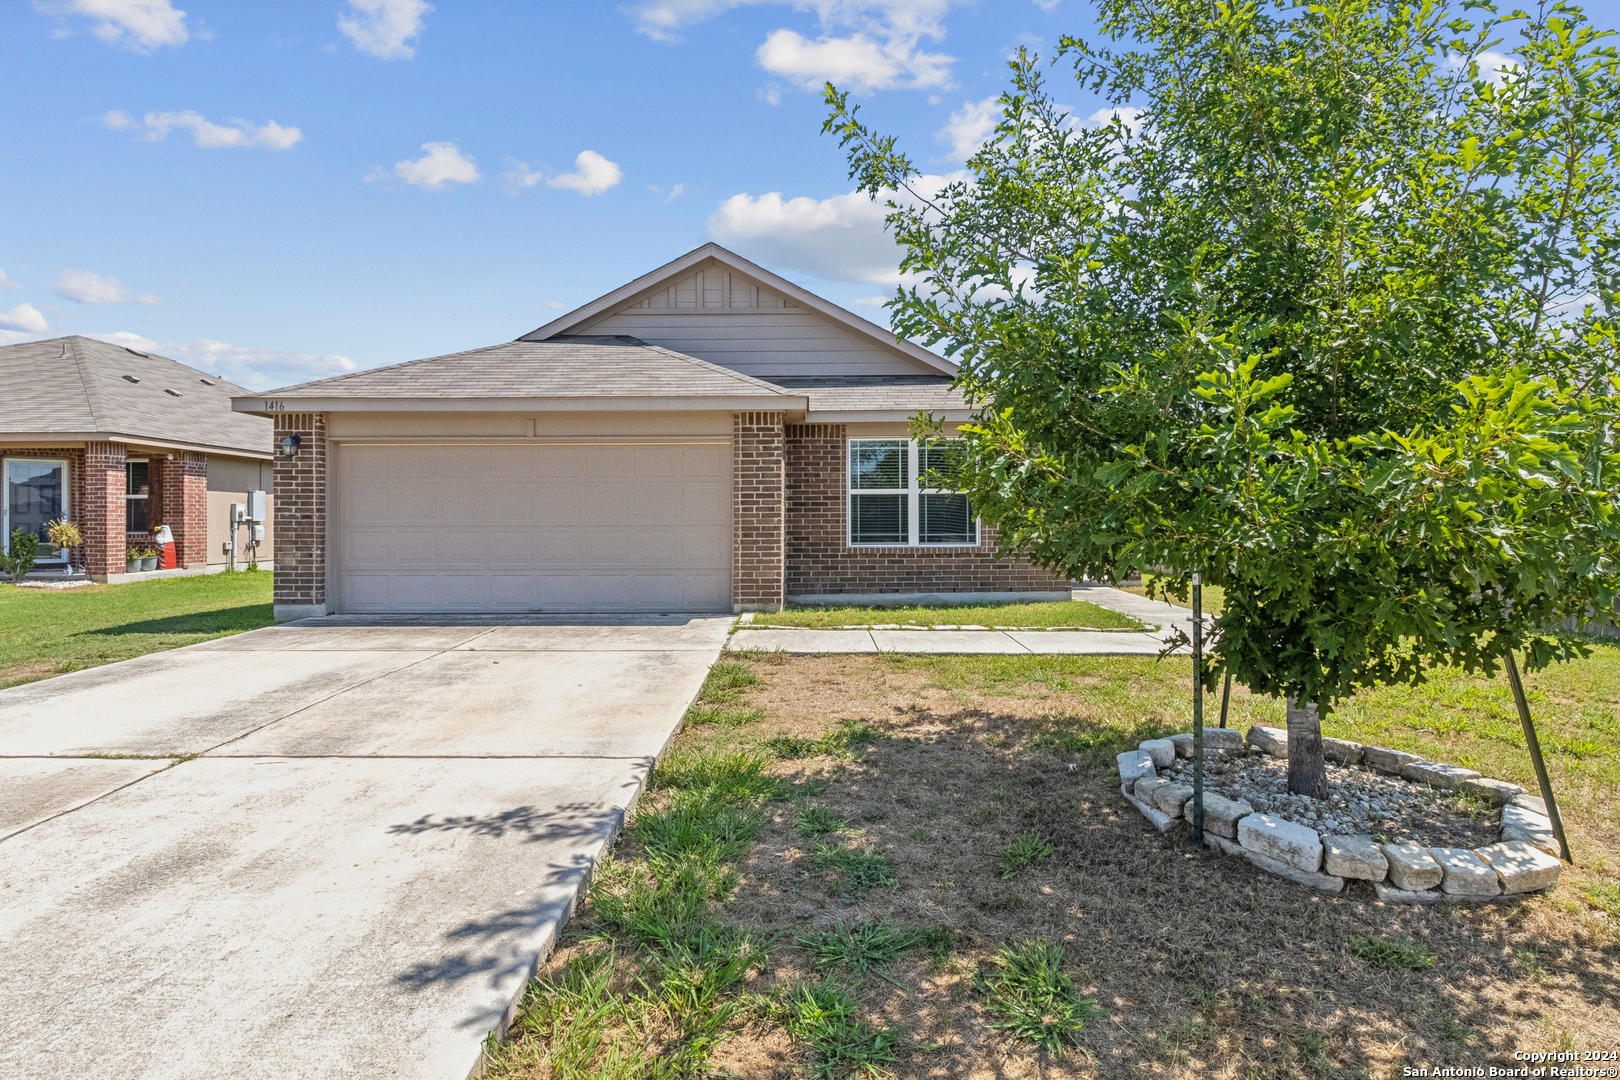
<point x="137" y="491"/>
<point x="892" y="500"/>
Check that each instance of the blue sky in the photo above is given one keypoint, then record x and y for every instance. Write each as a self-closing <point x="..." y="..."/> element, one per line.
<point x="281" y="191"/>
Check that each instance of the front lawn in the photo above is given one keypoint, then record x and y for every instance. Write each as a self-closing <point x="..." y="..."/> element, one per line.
<point x="922" y="866"/>
<point x="46" y="632"/>
<point x="1060" y="613"/>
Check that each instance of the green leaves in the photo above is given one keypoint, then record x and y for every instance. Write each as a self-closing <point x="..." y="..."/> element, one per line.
<point x="1328" y="322"/>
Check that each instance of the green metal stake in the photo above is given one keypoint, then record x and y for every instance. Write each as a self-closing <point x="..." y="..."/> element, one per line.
<point x="1198" y="712"/>
<point x="1535" y="757"/>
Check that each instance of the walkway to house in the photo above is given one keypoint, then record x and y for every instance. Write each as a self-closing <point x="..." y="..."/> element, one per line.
<point x="316" y="850"/>
<point x="1165" y="619"/>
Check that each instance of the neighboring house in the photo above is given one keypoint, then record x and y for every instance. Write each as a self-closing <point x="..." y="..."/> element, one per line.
<point x="708" y="437"/>
<point x="121" y="442"/>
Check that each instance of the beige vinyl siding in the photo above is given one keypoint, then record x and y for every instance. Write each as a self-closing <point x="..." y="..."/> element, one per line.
<point x="229" y="481"/>
<point x="781" y="344"/>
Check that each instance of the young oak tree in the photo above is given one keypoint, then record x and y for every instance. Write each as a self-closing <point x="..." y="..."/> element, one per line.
<point x="1325" y="313"/>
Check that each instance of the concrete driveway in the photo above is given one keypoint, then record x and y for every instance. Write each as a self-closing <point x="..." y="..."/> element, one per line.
<point x="331" y="848"/>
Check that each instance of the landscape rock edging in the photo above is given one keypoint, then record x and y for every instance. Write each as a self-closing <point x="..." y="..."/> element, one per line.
<point x="1523" y="860"/>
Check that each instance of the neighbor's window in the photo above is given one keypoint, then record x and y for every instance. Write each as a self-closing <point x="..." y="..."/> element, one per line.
<point x="137" y="486"/>
<point x="893" y="497"/>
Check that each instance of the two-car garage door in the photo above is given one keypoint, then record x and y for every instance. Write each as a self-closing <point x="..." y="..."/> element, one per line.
<point x="534" y="527"/>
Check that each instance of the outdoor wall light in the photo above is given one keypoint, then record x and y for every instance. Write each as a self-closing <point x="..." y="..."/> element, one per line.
<point x="290" y="445"/>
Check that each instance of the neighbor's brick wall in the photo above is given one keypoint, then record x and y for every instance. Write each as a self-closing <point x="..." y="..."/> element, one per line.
<point x="74" y="455"/>
<point x="757" y="512"/>
<point x="101" y="514"/>
<point x="300" y="511"/>
<point x="819" y="560"/>
<point x="180" y="484"/>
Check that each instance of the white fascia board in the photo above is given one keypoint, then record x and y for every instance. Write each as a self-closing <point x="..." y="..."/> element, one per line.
<point x="48" y="439"/>
<point x="694" y="260"/>
<point x="889" y="416"/>
<point x="788" y="403"/>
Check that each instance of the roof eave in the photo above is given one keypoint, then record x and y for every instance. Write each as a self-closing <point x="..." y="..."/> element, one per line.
<point x="36" y="439"/>
<point x="789" y="403"/>
<point x="886" y="416"/>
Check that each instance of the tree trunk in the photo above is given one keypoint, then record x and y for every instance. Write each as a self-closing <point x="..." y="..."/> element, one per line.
<point x="1307" y="769"/>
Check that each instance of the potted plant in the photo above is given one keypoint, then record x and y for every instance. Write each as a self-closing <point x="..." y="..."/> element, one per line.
<point x="20" y="559"/>
<point x="65" y="535"/>
<point x="149" y="558"/>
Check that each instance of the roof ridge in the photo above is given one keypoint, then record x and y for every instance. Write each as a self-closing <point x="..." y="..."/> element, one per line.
<point x="375" y="370"/>
<point x="90" y="401"/>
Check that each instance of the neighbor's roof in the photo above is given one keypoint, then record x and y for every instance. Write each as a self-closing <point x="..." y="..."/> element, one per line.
<point x="714" y="254"/>
<point x="867" y="398"/>
<point x="80" y="388"/>
<point x="616" y="372"/>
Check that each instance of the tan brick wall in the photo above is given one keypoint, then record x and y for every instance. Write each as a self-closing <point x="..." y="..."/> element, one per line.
<point x="757" y="555"/>
<point x="819" y="560"/>
<point x="300" y="511"/>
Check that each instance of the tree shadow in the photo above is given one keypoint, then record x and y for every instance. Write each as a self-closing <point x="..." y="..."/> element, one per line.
<point x="245" y="617"/>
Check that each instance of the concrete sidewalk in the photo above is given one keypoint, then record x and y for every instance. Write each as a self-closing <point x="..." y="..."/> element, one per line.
<point x="1165" y="618"/>
<point x="387" y="823"/>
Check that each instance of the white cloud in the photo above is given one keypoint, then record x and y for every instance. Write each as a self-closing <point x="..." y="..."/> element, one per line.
<point x="1129" y="116"/>
<point x="24" y="317"/>
<point x="1494" y="67"/>
<point x="880" y="53"/>
<point x="138" y="25"/>
<point x="7" y="283"/>
<point x="384" y="28"/>
<point x="836" y="239"/>
<point x="155" y="126"/>
<point x="256" y="369"/>
<point x="856" y="62"/>
<point x="442" y="164"/>
<point x="87" y="288"/>
<point x="556" y="305"/>
<point x="592" y="175"/>
<point x="870" y="301"/>
<point x="969" y="127"/>
<point x="520" y="176"/>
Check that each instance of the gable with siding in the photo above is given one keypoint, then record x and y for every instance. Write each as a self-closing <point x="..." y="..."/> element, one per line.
<point x="717" y="306"/>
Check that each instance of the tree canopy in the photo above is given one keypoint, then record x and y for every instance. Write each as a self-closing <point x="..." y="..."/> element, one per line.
<point x="1326" y="313"/>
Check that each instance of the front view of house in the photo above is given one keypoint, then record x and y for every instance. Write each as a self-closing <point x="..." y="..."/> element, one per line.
<point x="709" y="437"/>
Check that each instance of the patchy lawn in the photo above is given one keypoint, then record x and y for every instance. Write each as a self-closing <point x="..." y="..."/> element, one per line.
<point x="45" y="632"/>
<point x="922" y="865"/>
<point x="1059" y="613"/>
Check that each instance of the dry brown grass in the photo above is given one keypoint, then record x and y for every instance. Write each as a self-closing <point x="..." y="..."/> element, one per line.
<point x="1207" y="967"/>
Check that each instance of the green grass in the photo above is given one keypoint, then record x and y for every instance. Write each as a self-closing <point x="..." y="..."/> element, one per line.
<point x="865" y="946"/>
<point x="1391" y="952"/>
<point x="1059" y="613"/>
<point x="46" y="632"/>
<point x="853" y="871"/>
<point x="1030" y="996"/>
<point x="838" y="743"/>
<point x="1026" y="849"/>
<point x="841" y="1044"/>
<point x="1212" y="598"/>
<point x="819" y="821"/>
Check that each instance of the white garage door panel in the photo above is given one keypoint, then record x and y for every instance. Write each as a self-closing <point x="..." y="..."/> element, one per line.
<point x="513" y="528"/>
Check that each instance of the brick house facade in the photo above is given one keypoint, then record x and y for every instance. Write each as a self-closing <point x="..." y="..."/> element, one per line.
<point x="96" y="407"/>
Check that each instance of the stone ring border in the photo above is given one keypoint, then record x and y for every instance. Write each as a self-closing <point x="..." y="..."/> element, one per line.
<point x="1523" y="860"/>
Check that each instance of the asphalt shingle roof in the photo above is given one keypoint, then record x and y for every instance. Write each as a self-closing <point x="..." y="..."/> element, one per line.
<point x="564" y="367"/>
<point x="82" y="386"/>
<point x="885" y="393"/>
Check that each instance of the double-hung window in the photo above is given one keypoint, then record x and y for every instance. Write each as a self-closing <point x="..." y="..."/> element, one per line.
<point x="902" y="492"/>
<point x="137" y="492"/>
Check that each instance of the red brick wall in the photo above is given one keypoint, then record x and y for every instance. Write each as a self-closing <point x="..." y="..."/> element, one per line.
<point x="180" y="488"/>
<point x="101" y="513"/>
<point x="300" y="511"/>
<point x="819" y="560"/>
<point x="757" y="512"/>
<point x="74" y="455"/>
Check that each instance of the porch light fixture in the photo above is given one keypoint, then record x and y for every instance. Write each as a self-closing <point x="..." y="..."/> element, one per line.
<point x="290" y="445"/>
